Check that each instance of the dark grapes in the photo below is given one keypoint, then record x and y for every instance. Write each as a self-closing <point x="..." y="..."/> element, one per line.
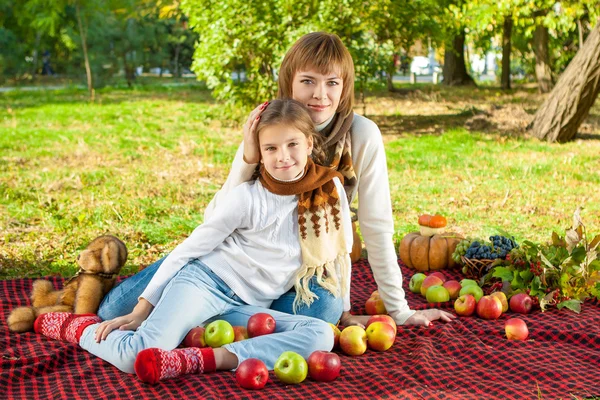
<point x="499" y="247"/>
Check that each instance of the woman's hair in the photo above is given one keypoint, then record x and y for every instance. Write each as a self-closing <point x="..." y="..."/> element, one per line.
<point x="291" y="113"/>
<point x="324" y="53"/>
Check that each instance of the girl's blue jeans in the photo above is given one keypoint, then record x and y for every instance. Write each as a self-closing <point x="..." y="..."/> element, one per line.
<point x="122" y="298"/>
<point x="197" y="296"/>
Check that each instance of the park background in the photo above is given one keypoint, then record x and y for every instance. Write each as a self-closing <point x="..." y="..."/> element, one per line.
<point x="123" y="117"/>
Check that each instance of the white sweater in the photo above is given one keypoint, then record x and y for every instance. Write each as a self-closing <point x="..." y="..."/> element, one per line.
<point x="374" y="209"/>
<point x="251" y="241"/>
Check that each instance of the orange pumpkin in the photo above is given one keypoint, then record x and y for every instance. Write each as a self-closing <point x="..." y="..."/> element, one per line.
<point x="428" y="253"/>
<point x="356" y="245"/>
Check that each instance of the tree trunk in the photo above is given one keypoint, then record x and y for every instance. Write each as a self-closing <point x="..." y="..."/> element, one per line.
<point x="36" y="52"/>
<point x="543" y="72"/>
<point x="506" y="50"/>
<point x="558" y="119"/>
<point x="455" y="70"/>
<point x="88" y="69"/>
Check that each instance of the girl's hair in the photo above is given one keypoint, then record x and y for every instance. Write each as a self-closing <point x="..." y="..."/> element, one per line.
<point x="325" y="53"/>
<point x="292" y="113"/>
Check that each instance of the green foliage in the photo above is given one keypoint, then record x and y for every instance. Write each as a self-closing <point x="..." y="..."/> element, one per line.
<point x="563" y="272"/>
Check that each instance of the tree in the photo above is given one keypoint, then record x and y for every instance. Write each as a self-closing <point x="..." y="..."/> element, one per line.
<point x="560" y="116"/>
<point x="506" y="51"/>
<point x="455" y="68"/>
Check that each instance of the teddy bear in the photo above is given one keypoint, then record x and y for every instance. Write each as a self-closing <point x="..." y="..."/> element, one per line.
<point x="99" y="265"/>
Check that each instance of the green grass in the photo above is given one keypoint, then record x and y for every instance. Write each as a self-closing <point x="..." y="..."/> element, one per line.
<point x="143" y="164"/>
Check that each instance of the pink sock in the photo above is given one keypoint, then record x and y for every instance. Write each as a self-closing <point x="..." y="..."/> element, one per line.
<point x="153" y="365"/>
<point x="64" y="326"/>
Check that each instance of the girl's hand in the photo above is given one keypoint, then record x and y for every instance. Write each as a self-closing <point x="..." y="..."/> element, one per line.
<point x="251" y="151"/>
<point x="348" y="319"/>
<point x="424" y="317"/>
<point x="131" y="321"/>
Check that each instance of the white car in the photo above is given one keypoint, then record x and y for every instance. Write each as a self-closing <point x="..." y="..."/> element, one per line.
<point x="422" y="66"/>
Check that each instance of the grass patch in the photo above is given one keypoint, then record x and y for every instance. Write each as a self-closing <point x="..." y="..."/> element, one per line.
<point x="143" y="164"/>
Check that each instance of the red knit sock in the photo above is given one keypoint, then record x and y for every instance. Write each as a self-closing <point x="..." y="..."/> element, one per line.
<point x="64" y="326"/>
<point x="153" y="365"/>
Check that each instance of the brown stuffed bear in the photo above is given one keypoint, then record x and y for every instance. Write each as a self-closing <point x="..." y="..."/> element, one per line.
<point x="99" y="265"/>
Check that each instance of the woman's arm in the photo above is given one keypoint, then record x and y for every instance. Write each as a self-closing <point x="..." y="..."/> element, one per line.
<point x="377" y="223"/>
<point x="245" y="161"/>
<point x="241" y="172"/>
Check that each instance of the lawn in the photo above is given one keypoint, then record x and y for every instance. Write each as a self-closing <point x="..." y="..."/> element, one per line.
<point x="142" y="164"/>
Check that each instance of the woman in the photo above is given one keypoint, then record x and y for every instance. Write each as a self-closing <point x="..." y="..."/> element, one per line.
<point x="318" y="71"/>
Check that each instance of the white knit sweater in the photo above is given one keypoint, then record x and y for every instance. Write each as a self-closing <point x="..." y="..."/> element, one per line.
<point x="251" y="241"/>
<point x="374" y="209"/>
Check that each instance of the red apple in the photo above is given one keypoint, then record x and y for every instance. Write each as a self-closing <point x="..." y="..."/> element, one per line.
<point x="252" y="374"/>
<point x="260" y="324"/>
<point x="502" y="297"/>
<point x="375" y="306"/>
<point x="336" y="335"/>
<point x="453" y="288"/>
<point x="489" y="307"/>
<point x="383" y="318"/>
<point x="241" y="333"/>
<point x="194" y="338"/>
<point x="465" y="305"/>
<point x="324" y="366"/>
<point x="516" y="329"/>
<point x="375" y="294"/>
<point x="380" y="336"/>
<point x="440" y="275"/>
<point x="353" y="340"/>
<point x="431" y="280"/>
<point x="521" y="303"/>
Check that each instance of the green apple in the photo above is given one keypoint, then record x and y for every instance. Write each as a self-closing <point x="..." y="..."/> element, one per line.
<point x="291" y="367"/>
<point x="437" y="294"/>
<point x="219" y="333"/>
<point x="467" y="282"/>
<point x="475" y="290"/>
<point x="415" y="282"/>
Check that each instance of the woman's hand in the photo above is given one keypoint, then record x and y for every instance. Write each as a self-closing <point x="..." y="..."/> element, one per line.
<point x="348" y="319"/>
<point x="131" y="321"/>
<point x="424" y="317"/>
<point x="251" y="151"/>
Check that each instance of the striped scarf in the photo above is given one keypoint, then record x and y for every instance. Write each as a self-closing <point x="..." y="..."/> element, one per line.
<point x="321" y="233"/>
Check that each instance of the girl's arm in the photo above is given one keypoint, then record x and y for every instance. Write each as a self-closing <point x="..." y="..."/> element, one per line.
<point x="231" y="214"/>
<point x="131" y="321"/>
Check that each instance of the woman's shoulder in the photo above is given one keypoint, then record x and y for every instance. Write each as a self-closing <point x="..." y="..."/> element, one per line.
<point x="364" y="127"/>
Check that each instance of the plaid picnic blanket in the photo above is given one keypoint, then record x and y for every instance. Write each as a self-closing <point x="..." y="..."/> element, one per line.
<point x="468" y="358"/>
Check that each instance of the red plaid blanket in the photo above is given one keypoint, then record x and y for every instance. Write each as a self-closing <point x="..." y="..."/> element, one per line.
<point x="468" y="358"/>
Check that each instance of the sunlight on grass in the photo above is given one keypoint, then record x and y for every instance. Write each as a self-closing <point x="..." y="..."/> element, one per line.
<point x="143" y="164"/>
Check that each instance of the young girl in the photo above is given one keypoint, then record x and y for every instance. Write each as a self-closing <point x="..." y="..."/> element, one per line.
<point x="267" y="236"/>
<point x="318" y="71"/>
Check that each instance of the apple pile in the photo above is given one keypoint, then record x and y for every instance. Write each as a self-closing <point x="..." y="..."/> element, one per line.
<point x="435" y="287"/>
<point x="379" y="335"/>
<point x="219" y="333"/>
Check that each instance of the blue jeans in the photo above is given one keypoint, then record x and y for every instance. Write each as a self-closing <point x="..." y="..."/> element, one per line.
<point x="197" y="296"/>
<point x="123" y="297"/>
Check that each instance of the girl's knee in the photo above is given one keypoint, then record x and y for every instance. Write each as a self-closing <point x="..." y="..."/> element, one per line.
<point x="323" y="335"/>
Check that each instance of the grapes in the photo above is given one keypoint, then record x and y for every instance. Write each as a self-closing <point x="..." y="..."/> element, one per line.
<point x="498" y="247"/>
<point x="461" y="249"/>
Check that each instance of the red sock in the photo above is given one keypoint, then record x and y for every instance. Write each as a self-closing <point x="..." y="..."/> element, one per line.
<point x="64" y="326"/>
<point x="153" y="365"/>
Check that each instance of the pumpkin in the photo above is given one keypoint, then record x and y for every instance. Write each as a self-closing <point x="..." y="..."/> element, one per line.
<point x="356" y="245"/>
<point x="428" y="253"/>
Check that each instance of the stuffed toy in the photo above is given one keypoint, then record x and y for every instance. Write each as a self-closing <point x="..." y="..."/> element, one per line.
<point x="99" y="265"/>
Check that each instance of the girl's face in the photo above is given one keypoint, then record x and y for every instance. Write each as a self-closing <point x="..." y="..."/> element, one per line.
<point x="319" y="93"/>
<point x="284" y="151"/>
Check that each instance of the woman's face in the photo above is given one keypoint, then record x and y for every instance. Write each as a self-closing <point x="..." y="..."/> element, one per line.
<point x="319" y="93"/>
